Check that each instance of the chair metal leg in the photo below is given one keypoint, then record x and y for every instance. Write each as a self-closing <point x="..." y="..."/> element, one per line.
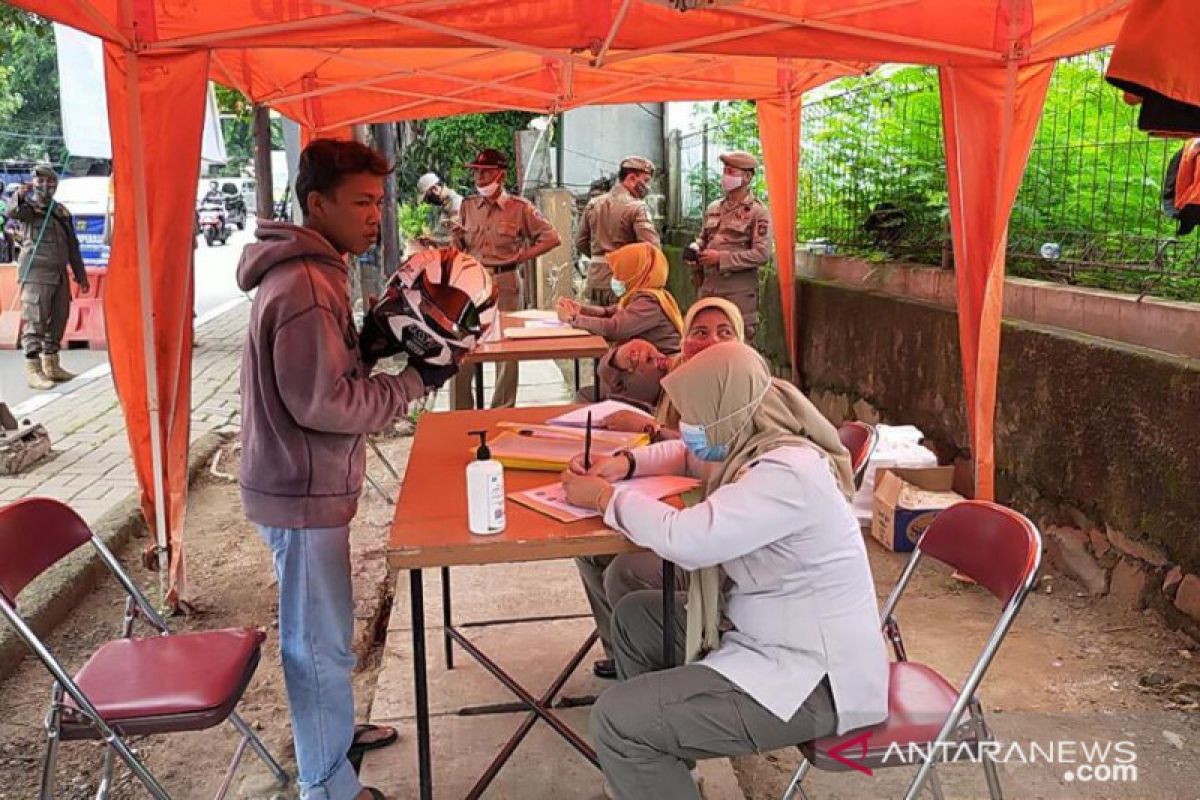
<point x="260" y="749"/>
<point x="983" y="734"/>
<point x="53" y="717"/>
<point x="135" y="765"/>
<point x="233" y="765"/>
<point x="794" y="789"/>
<point x="993" y="779"/>
<point x="105" y="775"/>
<point x="935" y="784"/>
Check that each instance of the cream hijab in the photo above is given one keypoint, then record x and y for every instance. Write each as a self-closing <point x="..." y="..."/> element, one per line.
<point x="729" y="390"/>
<point x="666" y="413"/>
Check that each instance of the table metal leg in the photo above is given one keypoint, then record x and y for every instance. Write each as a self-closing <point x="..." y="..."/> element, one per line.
<point x="668" y="600"/>
<point x="447" y="618"/>
<point x="578" y="377"/>
<point x="424" y="751"/>
<point x="479" y="386"/>
<point x="596" y="379"/>
<point x="538" y="709"/>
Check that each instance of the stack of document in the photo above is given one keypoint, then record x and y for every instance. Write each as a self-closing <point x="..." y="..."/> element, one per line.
<point x="549" y="449"/>
<point x="537" y="323"/>
<point x="600" y="413"/>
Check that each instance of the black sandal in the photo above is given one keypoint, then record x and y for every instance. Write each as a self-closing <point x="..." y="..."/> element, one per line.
<point x="365" y="728"/>
<point x="375" y="793"/>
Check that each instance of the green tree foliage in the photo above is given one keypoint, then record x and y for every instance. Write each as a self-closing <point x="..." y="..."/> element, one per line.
<point x="30" y="120"/>
<point x="1092" y="186"/>
<point x="446" y="144"/>
<point x="237" y="128"/>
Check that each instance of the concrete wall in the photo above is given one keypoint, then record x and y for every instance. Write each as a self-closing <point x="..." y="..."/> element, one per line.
<point x="1167" y="325"/>
<point x="552" y="272"/>
<point x="596" y="138"/>
<point x="771" y="342"/>
<point x="1095" y="438"/>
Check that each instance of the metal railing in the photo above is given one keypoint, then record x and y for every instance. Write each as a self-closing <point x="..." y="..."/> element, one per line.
<point x="873" y="181"/>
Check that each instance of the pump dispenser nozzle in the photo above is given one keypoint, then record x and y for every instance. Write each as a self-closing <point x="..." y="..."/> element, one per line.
<point x="483" y="453"/>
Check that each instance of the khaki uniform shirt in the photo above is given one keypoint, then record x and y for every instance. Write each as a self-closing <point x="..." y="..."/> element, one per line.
<point x="609" y="222"/>
<point x="641" y="318"/>
<point x="59" y="247"/>
<point x="741" y="233"/>
<point x="495" y="231"/>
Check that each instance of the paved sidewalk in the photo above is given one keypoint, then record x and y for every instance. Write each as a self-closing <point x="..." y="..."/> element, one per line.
<point x="90" y="466"/>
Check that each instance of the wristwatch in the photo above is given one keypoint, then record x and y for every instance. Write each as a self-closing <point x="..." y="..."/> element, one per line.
<point x="632" y="463"/>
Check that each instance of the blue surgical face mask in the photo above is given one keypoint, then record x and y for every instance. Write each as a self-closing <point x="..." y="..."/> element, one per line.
<point x="618" y="287"/>
<point x="695" y="437"/>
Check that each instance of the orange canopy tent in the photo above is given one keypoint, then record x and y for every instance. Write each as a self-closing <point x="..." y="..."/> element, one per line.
<point x="338" y="62"/>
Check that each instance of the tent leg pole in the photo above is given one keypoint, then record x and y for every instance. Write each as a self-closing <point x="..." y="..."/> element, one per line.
<point x="146" y="297"/>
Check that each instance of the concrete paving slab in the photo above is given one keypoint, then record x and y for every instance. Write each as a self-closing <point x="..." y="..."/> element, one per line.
<point x="544" y="767"/>
<point x="533" y="653"/>
<point x="494" y="591"/>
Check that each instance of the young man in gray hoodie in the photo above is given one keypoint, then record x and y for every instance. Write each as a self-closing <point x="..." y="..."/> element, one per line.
<point x="308" y="400"/>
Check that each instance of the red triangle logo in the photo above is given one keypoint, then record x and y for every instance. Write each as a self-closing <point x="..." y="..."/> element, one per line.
<point x="861" y="743"/>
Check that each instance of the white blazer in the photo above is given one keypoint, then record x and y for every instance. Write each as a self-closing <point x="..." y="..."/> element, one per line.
<point x="802" y="601"/>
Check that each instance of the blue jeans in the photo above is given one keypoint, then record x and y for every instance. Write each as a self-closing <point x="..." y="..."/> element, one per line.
<point x="316" y="622"/>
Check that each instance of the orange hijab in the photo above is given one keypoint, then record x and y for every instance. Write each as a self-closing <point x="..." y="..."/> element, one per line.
<point x="643" y="269"/>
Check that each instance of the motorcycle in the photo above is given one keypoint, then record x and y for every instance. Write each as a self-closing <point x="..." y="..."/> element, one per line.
<point x="213" y="224"/>
<point x="235" y="206"/>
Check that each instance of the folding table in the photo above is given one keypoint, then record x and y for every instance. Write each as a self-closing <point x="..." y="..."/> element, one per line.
<point x="430" y="530"/>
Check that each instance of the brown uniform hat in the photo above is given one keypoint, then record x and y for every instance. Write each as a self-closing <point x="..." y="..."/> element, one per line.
<point x="489" y="159"/>
<point x="739" y="159"/>
<point x="638" y="163"/>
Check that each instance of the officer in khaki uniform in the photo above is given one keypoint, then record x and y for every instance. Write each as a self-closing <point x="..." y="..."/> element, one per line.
<point x="48" y="246"/>
<point x="614" y="219"/>
<point x="448" y="204"/>
<point x="735" y="241"/>
<point x="501" y="231"/>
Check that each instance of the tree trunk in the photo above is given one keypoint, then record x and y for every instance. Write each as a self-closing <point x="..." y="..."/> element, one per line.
<point x="264" y="191"/>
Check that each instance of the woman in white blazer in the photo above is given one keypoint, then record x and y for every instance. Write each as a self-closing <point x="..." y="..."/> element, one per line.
<point x="783" y="638"/>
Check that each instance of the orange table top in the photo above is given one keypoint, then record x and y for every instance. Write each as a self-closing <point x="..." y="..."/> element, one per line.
<point x="430" y="526"/>
<point x="590" y="346"/>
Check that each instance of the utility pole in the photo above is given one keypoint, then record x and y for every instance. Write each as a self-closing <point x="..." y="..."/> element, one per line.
<point x="264" y="191"/>
<point x="385" y="143"/>
<point x="560" y="152"/>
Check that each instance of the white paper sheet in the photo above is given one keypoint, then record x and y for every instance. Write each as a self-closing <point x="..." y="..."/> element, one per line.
<point x="656" y="486"/>
<point x="542" y="332"/>
<point x="600" y="412"/>
<point x="534" y="314"/>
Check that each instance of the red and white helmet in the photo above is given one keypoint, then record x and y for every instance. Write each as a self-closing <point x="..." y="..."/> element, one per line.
<point x="435" y="307"/>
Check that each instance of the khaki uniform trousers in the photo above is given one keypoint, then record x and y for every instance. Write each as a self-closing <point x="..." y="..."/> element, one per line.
<point x="650" y="729"/>
<point x="44" y="311"/>
<point x="504" y="395"/>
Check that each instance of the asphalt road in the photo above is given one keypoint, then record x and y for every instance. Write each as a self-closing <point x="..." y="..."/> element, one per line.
<point x="215" y="286"/>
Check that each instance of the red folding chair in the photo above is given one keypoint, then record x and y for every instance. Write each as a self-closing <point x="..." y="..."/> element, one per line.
<point x="860" y="439"/>
<point x="1001" y="551"/>
<point x="130" y="686"/>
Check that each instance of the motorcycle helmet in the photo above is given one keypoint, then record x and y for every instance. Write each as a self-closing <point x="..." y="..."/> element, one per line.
<point x="435" y="308"/>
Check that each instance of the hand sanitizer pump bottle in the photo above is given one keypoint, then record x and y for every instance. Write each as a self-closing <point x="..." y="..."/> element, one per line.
<point x="485" y="490"/>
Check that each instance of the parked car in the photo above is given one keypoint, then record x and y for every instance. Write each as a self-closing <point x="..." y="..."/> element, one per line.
<point x="90" y="201"/>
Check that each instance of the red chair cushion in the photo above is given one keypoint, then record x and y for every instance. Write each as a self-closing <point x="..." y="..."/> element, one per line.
<point x="919" y="700"/>
<point x="160" y="676"/>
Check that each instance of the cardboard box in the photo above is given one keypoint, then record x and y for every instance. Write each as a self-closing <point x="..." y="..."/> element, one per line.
<point x="907" y="501"/>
